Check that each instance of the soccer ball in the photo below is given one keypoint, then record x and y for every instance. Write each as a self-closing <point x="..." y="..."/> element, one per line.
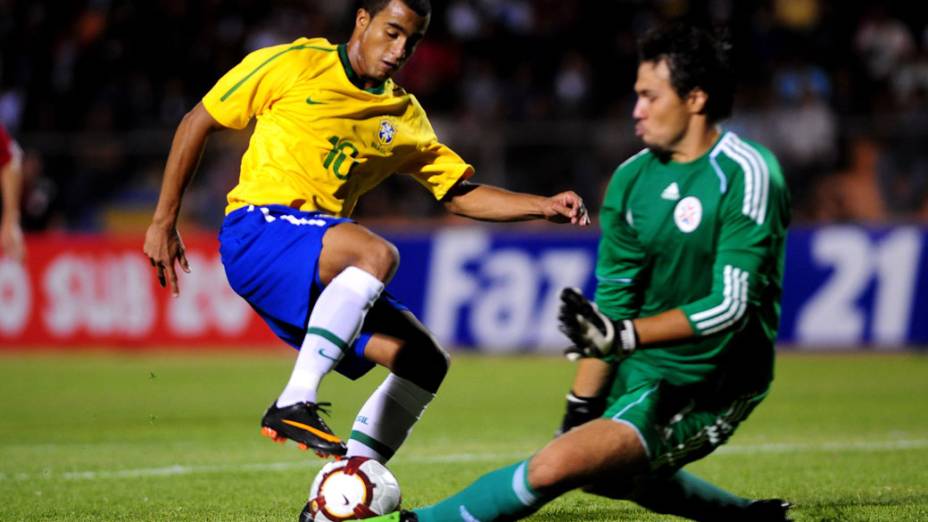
<point x="352" y="489"/>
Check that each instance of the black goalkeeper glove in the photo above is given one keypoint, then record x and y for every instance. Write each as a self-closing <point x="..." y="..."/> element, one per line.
<point x="593" y="334"/>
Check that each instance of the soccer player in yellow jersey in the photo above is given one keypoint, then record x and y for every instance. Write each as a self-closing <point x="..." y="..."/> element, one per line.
<point x="331" y="125"/>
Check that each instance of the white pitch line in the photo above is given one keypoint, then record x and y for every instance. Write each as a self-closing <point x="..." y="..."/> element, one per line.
<point x="735" y="449"/>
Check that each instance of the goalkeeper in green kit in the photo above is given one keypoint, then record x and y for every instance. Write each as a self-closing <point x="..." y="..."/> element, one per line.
<point x="679" y="347"/>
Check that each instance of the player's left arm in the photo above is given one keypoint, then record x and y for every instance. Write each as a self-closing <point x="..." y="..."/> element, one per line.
<point x="11" y="185"/>
<point x="751" y="227"/>
<point x="491" y="203"/>
<point x="443" y="173"/>
<point x="756" y="213"/>
<point x="754" y="221"/>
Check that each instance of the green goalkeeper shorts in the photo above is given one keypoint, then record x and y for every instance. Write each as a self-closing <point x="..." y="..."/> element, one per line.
<point x="675" y="428"/>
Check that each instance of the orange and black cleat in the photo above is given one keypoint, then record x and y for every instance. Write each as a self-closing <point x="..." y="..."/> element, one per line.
<point x="302" y="423"/>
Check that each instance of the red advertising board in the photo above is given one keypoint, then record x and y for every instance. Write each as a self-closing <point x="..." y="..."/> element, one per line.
<point x="100" y="291"/>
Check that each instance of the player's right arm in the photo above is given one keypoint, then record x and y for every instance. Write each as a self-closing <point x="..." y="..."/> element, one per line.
<point x="163" y="244"/>
<point x="243" y="92"/>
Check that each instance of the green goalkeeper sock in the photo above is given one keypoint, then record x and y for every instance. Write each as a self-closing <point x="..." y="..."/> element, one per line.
<point x="504" y="494"/>
<point x="686" y="495"/>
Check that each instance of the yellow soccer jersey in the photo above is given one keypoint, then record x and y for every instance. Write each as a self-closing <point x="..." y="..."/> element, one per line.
<point x="320" y="141"/>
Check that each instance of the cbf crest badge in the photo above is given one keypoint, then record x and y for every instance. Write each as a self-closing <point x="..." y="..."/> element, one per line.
<point x="386" y="133"/>
<point x="687" y="214"/>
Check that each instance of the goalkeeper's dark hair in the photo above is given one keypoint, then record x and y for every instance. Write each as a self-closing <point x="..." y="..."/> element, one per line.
<point x="696" y="59"/>
<point x="420" y="7"/>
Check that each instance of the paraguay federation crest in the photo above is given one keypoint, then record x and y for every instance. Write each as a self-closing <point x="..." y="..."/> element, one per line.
<point x="386" y="133"/>
<point x="687" y="214"/>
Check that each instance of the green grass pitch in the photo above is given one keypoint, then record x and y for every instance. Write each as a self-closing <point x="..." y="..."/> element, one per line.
<point x="175" y="437"/>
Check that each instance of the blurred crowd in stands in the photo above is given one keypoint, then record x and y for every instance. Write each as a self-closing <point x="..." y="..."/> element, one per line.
<point x="537" y="94"/>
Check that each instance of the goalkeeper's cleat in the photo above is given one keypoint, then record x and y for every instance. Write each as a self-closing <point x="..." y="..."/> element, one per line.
<point x="768" y="510"/>
<point x="302" y="423"/>
<point x="580" y="410"/>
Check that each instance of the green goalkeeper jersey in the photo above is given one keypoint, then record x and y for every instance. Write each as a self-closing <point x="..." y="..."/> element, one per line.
<point x="708" y="237"/>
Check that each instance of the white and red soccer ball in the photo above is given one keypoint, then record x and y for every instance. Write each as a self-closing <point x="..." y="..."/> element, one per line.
<point x="352" y="489"/>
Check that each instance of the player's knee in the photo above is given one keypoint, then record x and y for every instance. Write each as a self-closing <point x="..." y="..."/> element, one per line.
<point x="381" y="258"/>
<point x="439" y="362"/>
<point x="432" y="364"/>
<point x="546" y="473"/>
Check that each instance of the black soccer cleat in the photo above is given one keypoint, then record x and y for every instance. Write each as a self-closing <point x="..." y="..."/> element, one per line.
<point x="302" y="424"/>
<point x="306" y="515"/>
<point x="580" y="410"/>
<point x="768" y="510"/>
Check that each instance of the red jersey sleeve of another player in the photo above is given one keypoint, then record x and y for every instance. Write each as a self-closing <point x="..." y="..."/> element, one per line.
<point x="6" y="147"/>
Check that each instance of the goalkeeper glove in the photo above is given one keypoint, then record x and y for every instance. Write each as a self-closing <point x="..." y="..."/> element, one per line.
<point x="593" y="334"/>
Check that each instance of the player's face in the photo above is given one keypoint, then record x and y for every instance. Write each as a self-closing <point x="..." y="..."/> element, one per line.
<point x="388" y="39"/>
<point x="661" y="115"/>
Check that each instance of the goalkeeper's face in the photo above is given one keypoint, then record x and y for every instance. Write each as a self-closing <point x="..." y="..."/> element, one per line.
<point x="386" y="40"/>
<point x="662" y="117"/>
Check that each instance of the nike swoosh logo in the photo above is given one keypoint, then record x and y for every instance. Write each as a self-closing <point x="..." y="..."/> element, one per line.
<point x="327" y="356"/>
<point x="321" y="434"/>
<point x="311" y="101"/>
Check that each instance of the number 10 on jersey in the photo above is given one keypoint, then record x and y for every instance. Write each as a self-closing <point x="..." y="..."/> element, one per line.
<point x="341" y="150"/>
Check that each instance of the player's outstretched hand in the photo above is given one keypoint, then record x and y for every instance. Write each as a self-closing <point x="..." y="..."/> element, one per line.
<point x="567" y="207"/>
<point x="164" y="248"/>
<point x="593" y="334"/>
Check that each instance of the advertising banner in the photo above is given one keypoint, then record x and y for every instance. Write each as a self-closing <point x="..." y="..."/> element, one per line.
<point x="492" y="289"/>
<point x="100" y="291"/>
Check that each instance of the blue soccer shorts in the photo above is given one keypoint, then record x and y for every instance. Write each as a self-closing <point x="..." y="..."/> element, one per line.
<point x="271" y="258"/>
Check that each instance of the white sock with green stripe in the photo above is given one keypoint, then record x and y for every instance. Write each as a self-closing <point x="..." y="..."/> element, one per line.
<point x="333" y="325"/>
<point x="386" y="418"/>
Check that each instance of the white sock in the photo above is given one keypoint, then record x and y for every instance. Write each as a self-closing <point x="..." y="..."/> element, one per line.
<point x="333" y="326"/>
<point x="387" y="418"/>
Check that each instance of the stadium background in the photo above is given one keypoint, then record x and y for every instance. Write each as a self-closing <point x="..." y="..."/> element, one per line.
<point x="537" y="95"/>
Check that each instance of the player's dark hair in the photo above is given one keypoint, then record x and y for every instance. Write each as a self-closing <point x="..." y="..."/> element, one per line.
<point x="420" y="7"/>
<point x="696" y="59"/>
